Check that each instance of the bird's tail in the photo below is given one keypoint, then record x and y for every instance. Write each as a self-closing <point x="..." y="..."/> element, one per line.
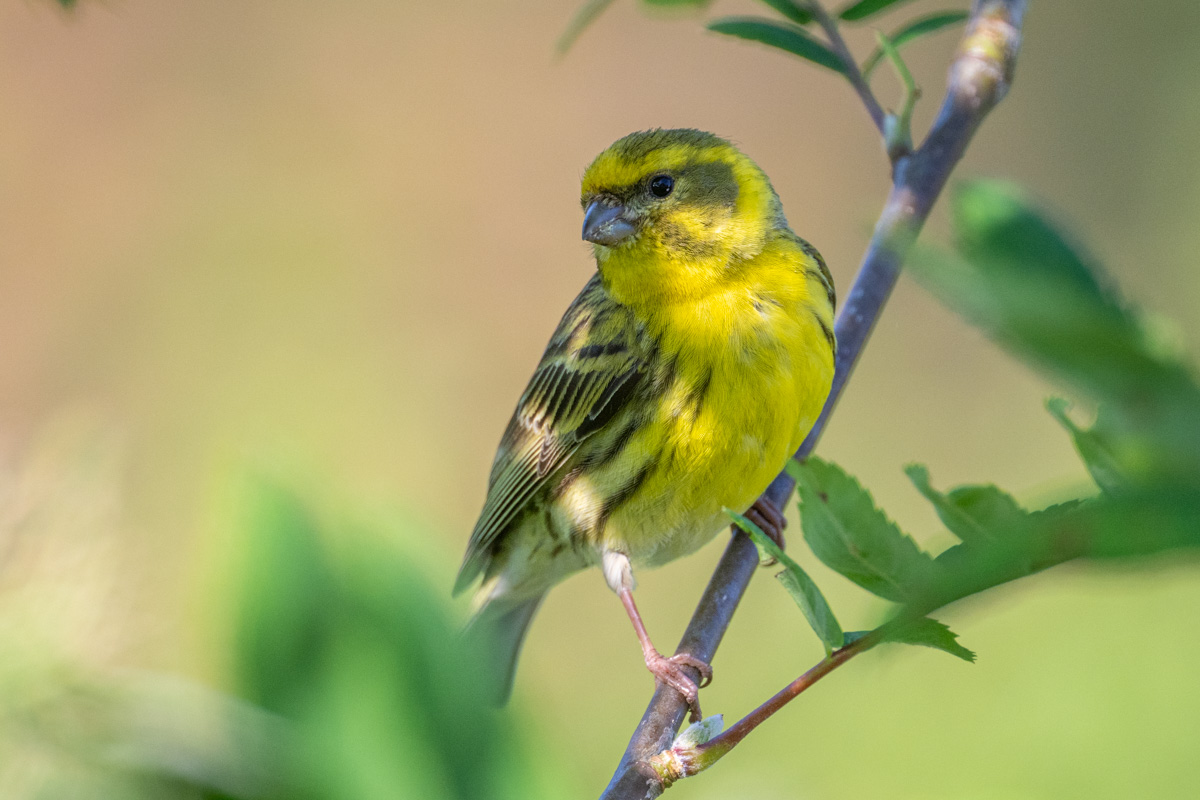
<point x="496" y="635"/>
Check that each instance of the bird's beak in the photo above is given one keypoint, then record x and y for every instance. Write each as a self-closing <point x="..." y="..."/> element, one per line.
<point x="604" y="223"/>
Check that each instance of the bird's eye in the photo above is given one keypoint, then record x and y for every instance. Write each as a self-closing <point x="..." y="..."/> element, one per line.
<point x="661" y="185"/>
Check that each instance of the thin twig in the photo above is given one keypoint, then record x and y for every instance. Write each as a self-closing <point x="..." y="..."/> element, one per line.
<point x="898" y="139"/>
<point x="671" y="765"/>
<point x="978" y="79"/>
<point x="853" y="74"/>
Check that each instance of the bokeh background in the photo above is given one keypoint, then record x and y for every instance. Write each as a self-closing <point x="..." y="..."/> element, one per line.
<point x="327" y="241"/>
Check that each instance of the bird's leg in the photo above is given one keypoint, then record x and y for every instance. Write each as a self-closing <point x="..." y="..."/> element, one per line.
<point x="669" y="670"/>
<point x="767" y="516"/>
<point x="618" y="573"/>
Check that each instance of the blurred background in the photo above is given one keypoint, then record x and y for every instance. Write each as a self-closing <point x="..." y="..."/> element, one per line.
<point x="327" y="242"/>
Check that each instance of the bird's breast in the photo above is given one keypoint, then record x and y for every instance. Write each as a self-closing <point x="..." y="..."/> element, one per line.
<point x="740" y="386"/>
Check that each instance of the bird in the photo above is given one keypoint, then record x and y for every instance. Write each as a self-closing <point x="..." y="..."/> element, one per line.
<point x="679" y="382"/>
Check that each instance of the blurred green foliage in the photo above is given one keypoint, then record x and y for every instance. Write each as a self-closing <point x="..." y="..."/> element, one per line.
<point x="1032" y="291"/>
<point x="1022" y="281"/>
<point x="1014" y="276"/>
<point x="380" y="694"/>
<point x="789" y="34"/>
<point x="355" y="682"/>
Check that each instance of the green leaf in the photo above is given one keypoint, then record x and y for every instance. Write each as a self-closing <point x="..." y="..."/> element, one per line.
<point x="1012" y="551"/>
<point x="840" y="523"/>
<point x="1145" y="523"/>
<point x="853" y="636"/>
<point x="1123" y="452"/>
<point x="584" y="17"/>
<point x="1095" y="446"/>
<point x="856" y="12"/>
<point x="813" y="605"/>
<point x="1030" y="290"/>
<point x="853" y="537"/>
<point x="930" y="633"/>
<point x="922" y="26"/>
<point x="1133" y="524"/>
<point x="799" y="585"/>
<point x="972" y="513"/>
<point x="919" y="631"/>
<point x="283" y="625"/>
<point x="791" y="10"/>
<point x="782" y="35"/>
<point x="1046" y="319"/>
<point x="358" y="655"/>
<point x="996" y="227"/>
<point x="1043" y="515"/>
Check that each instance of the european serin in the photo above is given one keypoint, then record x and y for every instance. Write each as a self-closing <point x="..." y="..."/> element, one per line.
<point x="679" y="382"/>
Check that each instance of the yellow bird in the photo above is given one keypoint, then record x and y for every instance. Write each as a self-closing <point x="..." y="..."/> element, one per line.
<point x="679" y="382"/>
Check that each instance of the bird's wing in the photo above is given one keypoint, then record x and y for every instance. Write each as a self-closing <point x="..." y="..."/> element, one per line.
<point x="594" y="364"/>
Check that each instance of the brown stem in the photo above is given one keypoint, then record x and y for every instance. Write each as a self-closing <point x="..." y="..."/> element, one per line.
<point x="735" y="733"/>
<point x="672" y="765"/>
<point x="979" y="77"/>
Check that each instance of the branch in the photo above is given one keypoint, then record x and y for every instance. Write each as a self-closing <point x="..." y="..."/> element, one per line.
<point x="978" y="79"/>
<point x="853" y="74"/>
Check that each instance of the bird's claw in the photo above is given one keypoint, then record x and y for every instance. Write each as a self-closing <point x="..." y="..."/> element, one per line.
<point x="767" y="516"/>
<point x="688" y="660"/>
<point x="671" y="672"/>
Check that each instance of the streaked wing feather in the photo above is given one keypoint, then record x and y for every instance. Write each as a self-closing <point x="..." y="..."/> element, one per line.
<point x="591" y="368"/>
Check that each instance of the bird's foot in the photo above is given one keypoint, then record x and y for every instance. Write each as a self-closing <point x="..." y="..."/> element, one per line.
<point x="671" y="672"/>
<point x="767" y="516"/>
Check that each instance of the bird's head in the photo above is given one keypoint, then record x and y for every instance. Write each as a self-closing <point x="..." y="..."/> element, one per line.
<point x="670" y="212"/>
